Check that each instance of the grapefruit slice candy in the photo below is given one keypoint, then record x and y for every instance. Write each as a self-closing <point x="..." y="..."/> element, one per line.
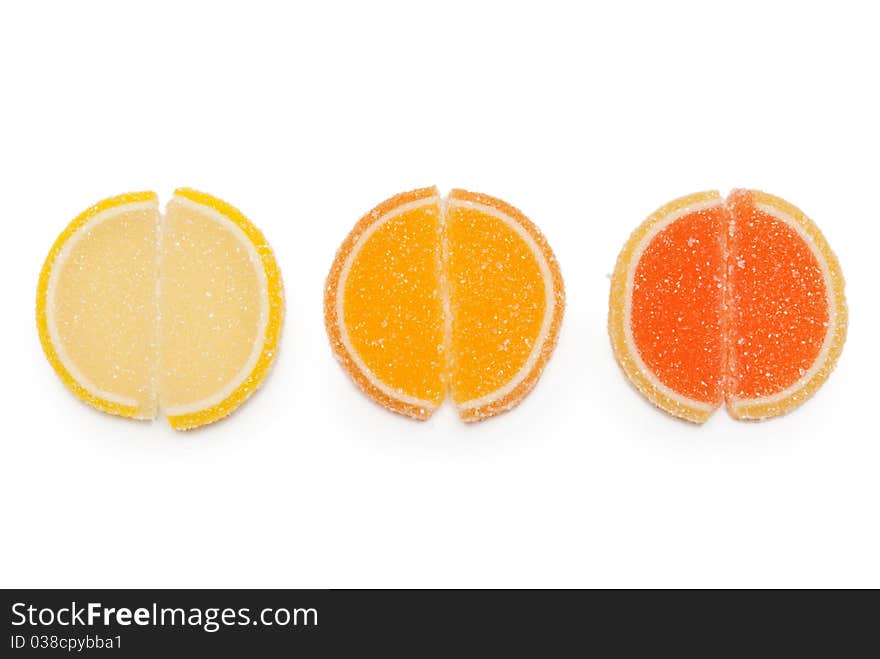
<point x="789" y="314"/>
<point x="137" y="311"/>
<point x="430" y="294"/>
<point x="738" y="301"/>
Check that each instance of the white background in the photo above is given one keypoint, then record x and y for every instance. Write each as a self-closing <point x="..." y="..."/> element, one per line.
<point x="587" y="120"/>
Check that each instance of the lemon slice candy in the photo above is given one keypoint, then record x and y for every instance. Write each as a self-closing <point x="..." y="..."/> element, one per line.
<point x="137" y="311"/>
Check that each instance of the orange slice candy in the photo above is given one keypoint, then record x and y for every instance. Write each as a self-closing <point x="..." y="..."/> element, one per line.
<point x="430" y="294"/>
<point x="738" y="301"/>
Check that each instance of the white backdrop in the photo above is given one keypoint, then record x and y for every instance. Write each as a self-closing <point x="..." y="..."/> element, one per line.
<point x="587" y="120"/>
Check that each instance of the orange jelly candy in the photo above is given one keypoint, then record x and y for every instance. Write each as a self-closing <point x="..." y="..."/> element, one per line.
<point x="430" y="295"/>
